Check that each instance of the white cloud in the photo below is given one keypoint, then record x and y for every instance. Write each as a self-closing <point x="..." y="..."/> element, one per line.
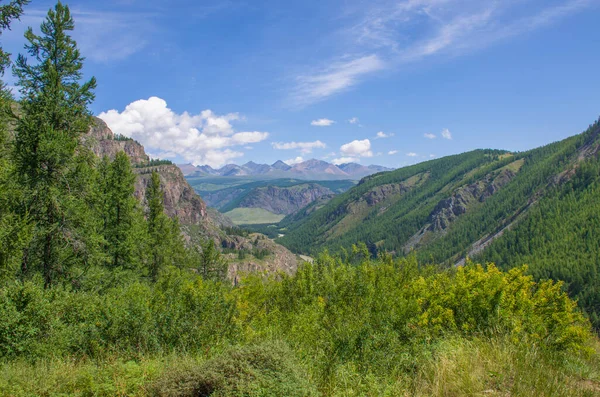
<point x="446" y="134"/>
<point x="297" y="160"/>
<point x="382" y="134"/>
<point x="447" y="26"/>
<point x="411" y="154"/>
<point x="382" y="34"/>
<point x="429" y="135"/>
<point x="432" y="156"/>
<point x="304" y="147"/>
<point x="322" y="123"/>
<point x="357" y="148"/>
<point x="205" y="138"/>
<point x="354" y="120"/>
<point x="337" y="77"/>
<point x="345" y="160"/>
<point x="392" y="152"/>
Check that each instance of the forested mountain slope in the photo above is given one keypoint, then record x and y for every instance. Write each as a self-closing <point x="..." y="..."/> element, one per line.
<point x="538" y="207"/>
<point x="443" y="207"/>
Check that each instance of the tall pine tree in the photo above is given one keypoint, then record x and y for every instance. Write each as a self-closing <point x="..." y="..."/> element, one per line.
<point x="119" y="212"/>
<point x="157" y="227"/>
<point x="54" y="115"/>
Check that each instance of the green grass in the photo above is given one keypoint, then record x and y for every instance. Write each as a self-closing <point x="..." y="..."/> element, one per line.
<point x="251" y="216"/>
<point x="452" y="367"/>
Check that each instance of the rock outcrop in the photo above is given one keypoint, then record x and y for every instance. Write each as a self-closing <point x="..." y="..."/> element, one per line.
<point x="103" y="142"/>
<point x="180" y="200"/>
<point x="284" y="200"/>
<point x="459" y="202"/>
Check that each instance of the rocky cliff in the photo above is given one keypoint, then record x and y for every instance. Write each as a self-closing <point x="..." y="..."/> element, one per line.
<point x="460" y="201"/>
<point x="284" y="200"/>
<point x="103" y="142"/>
<point x="179" y="198"/>
<point x="181" y="201"/>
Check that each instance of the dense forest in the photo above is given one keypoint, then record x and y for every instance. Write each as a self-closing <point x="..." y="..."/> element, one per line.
<point x="542" y="213"/>
<point x="100" y="295"/>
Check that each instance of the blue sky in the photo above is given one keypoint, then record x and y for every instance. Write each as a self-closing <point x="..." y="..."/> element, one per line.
<point x="382" y="82"/>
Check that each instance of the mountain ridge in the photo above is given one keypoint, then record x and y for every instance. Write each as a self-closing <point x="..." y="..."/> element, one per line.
<point x="309" y="169"/>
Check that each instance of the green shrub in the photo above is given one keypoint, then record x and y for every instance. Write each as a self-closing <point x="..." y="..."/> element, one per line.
<point x="262" y="370"/>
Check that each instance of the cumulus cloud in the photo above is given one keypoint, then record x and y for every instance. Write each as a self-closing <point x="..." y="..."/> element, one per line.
<point x="382" y="134"/>
<point x="304" y="147"/>
<point x="322" y="123"/>
<point x="354" y="120"/>
<point x="345" y="160"/>
<point x="297" y="160"/>
<point x="446" y="134"/>
<point x="357" y="148"/>
<point x="392" y="152"/>
<point x="204" y="138"/>
<point x="429" y="135"/>
<point x="411" y="154"/>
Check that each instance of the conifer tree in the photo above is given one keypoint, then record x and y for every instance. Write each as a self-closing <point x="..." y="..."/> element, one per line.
<point x="157" y="227"/>
<point x="48" y="159"/>
<point x="119" y="211"/>
<point x="212" y="264"/>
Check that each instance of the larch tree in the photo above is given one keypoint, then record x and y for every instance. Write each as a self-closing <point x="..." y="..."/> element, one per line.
<point x="157" y="227"/>
<point x="119" y="211"/>
<point x="48" y="157"/>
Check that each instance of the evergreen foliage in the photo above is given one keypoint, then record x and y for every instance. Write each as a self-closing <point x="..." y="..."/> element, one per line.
<point x="212" y="265"/>
<point x="120" y="212"/>
<point x="8" y="13"/>
<point x="48" y="164"/>
<point x="166" y="246"/>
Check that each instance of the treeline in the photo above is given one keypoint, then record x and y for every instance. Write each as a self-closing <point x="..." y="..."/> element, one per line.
<point x="67" y="217"/>
<point x="154" y="163"/>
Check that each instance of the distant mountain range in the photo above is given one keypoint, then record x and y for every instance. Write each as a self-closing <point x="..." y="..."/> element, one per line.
<point x="310" y="170"/>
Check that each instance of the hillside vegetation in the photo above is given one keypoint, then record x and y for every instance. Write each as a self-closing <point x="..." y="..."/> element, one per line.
<point x="536" y="207"/>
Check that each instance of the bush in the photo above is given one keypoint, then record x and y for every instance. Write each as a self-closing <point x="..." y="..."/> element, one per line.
<point x="262" y="370"/>
<point x="179" y="312"/>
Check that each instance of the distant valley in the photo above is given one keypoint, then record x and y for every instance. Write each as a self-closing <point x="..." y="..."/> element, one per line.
<point x="264" y="194"/>
<point x="250" y="201"/>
